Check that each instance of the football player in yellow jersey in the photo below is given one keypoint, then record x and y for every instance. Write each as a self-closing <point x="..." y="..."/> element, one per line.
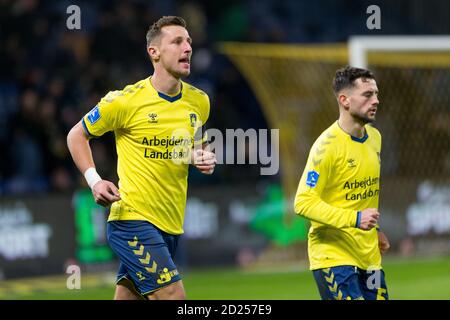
<point x="338" y="192"/>
<point x="157" y="126"/>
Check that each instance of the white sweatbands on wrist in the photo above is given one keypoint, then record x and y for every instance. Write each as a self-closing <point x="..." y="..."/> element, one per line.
<point x="91" y="177"/>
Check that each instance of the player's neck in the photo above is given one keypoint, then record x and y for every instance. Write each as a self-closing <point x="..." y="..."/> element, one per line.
<point x="352" y="127"/>
<point x="165" y="83"/>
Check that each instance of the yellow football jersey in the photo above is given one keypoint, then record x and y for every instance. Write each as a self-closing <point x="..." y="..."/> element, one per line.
<point x="341" y="177"/>
<point x="154" y="135"/>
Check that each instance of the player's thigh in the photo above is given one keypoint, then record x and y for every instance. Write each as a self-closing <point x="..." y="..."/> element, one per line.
<point x="125" y="290"/>
<point x="173" y="291"/>
<point x="144" y="251"/>
<point x="338" y="283"/>
<point x="373" y="285"/>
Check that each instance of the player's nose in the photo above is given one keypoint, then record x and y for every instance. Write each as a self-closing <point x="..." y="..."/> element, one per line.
<point x="375" y="101"/>
<point x="187" y="47"/>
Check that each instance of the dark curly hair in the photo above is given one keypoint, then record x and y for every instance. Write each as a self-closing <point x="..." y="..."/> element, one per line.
<point x="345" y="77"/>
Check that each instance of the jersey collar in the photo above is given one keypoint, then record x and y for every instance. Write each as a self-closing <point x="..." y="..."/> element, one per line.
<point x="360" y="140"/>
<point x="166" y="96"/>
<point x="356" y="139"/>
<point x="171" y="98"/>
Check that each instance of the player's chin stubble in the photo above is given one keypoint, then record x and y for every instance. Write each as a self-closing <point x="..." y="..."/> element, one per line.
<point x="183" y="73"/>
<point x="362" y="118"/>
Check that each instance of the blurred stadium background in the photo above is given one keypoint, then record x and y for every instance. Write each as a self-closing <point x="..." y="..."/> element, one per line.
<point x="264" y="64"/>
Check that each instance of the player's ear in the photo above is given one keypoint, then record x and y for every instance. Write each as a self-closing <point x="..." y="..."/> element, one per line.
<point x="344" y="101"/>
<point x="153" y="52"/>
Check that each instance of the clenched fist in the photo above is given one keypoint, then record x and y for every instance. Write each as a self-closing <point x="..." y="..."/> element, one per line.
<point x="204" y="160"/>
<point x="105" y="193"/>
<point x="369" y="218"/>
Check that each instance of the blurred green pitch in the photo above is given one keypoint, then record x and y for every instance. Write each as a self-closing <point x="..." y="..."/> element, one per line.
<point x="413" y="278"/>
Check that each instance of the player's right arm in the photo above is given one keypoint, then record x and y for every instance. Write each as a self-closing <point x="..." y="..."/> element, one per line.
<point x="106" y="116"/>
<point x="309" y="204"/>
<point x="104" y="192"/>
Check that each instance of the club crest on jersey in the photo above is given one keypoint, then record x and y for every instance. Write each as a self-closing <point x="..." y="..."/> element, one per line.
<point x="312" y="178"/>
<point x="193" y="119"/>
<point x="94" y="115"/>
<point x="153" y="118"/>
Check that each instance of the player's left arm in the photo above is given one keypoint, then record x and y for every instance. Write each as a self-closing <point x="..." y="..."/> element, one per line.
<point x="383" y="242"/>
<point x="202" y="156"/>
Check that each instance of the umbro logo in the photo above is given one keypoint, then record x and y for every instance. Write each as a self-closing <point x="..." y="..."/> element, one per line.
<point x="153" y="118"/>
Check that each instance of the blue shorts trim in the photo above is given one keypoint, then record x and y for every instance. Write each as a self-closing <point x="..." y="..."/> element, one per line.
<point x="351" y="283"/>
<point x="145" y="252"/>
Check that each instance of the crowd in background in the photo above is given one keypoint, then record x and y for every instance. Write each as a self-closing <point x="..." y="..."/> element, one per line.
<point x="51" y="76"/>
